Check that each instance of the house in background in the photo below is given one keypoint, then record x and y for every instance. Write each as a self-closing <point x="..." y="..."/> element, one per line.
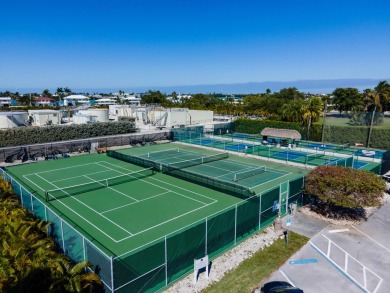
<point x="7" y="101"/>
<point x="45" y="101"/>
<point x="74" y="100"/>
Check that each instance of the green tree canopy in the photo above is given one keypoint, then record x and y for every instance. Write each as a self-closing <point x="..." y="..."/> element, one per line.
<point x="347" y="99"/>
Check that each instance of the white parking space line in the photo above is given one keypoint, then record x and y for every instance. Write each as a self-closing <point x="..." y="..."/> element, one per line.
<point x="372" y="239"/>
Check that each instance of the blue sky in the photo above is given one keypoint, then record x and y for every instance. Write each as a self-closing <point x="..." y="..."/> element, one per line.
<point x="123" y="44"/>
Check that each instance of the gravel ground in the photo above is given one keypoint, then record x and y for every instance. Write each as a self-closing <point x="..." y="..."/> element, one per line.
<point x="227" y="262"/>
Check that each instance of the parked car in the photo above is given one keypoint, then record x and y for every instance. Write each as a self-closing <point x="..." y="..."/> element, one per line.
<point x="279" y="287"/>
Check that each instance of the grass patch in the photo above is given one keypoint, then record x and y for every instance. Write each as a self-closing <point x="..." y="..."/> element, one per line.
<point x="251" y="272"/>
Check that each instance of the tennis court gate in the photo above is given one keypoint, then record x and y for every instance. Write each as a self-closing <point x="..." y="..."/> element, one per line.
<point x="155" y="265"/>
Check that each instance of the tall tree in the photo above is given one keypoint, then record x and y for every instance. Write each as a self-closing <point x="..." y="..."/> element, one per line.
<point x="383" y="91"/>
<point x="312" y="111"/>
<point x="347" y="99"/>
<point x="46" y="93"/>
<point x="67" y="91"/>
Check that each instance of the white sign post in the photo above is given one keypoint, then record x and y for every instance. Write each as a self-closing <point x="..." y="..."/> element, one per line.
<point x="200" y="264"/>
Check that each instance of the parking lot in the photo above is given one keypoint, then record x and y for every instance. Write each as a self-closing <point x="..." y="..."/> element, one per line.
<point x="340" y="258"/>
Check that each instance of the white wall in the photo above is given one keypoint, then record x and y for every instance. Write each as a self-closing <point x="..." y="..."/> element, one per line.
<point x="101" y="114"/>
<point x="43" y="118"/>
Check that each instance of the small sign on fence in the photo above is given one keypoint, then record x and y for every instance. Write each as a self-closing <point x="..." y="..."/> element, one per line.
<point x="200" y="264"/>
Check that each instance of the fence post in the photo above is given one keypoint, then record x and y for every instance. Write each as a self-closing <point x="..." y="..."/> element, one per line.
<point x="205" y="237"/>
<point x="112" y="274"/>
<point x="62" y="234"/>
<point x="260" y="211"/>
<point x="166" y="262"/>
<point x="235" y="226"/>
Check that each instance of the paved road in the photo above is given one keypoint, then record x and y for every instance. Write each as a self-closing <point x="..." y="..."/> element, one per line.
<point x="365" y="269"/>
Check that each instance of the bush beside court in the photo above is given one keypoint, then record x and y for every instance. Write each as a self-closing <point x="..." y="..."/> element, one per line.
<point x="338" y="192"/>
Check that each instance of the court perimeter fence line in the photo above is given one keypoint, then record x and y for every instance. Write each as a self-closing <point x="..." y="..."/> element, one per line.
<point x="159" y="263"/>
<point x="294" y="156"/>
<point x="81" y="145"/>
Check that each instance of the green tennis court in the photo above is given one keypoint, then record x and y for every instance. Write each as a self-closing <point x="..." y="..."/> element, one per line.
<point x="123" y="216"/>
<point x="124" y="213"/>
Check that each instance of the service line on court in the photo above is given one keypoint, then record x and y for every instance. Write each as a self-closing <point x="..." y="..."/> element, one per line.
<point x="129" y="204"/>
<point x="269" y="180"/>
<point x="74" y="198"/>
<point x="214" y="200"/>
<point x="162" y="223"/>
<point x="111" y="188"/>
<point x="68" y="178"/>
<point x="97" y="228"/>
<point x="76" y="166"/>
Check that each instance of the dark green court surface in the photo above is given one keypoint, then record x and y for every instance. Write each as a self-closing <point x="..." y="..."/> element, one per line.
<point x="122" y="208"/>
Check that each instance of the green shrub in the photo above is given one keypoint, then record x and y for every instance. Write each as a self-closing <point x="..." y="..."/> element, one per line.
<point x="347" y="134"/>
<point x="33" y="135"/>
<point x="338" y="190"/>
<point x="250" y="126"/>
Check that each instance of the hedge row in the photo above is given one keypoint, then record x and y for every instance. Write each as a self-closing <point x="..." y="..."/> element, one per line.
<point x="256" y="126"/>
<point x="380" y="138"/>
<point x="33" y="135"/>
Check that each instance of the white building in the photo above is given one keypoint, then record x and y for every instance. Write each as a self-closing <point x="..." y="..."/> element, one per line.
<point x="130" y="99"/>
<point x="44" y="117"/>
<point x="13" y="119"/>
<point x="75" y="100"/>
<point x="5" y="101"/>
<point x="100" y="115"/>
<point x="79" y="118"/>
<point x="105" y="101"/>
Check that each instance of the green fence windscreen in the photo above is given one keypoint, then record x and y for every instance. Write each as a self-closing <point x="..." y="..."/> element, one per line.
<point x="220" y="232"/>
<point x="268" y="201"/>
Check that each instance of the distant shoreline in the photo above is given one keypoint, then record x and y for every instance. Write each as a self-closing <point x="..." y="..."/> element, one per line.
<point x="306" y="86"/>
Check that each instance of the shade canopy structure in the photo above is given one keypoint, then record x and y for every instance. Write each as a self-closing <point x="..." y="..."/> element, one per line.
<point x="281" y="133"/>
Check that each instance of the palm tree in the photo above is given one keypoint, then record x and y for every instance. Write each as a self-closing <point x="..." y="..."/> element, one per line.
<point x="312" y="112"/>
<point x="67" y="91"/>
<point x="383" y="91"/>
<point x="46" y="93"/>
<point x="74" y="278"/>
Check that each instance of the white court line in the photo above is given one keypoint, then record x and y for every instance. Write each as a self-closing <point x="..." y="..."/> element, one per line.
<point x="164" y="188"/>
<point x="74" y="198"/>
<point x="257" y="166"/>
<point x="68" y="178"/>
<point x="166" y="183"/>
<point x="104" y="233"/>
<point x="34" y="183"/>
<point x="129" y="204"/>
<point x="76" y="166"/>
<point x="167" y="221"/>
<point x="385" y="248"/>
<point x="270" y="180"/>
<point x="229" y="171"/>
<point x="128" y="196"/>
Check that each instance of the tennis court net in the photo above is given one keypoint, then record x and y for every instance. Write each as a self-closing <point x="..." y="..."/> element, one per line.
<point x="196" y="161"/>
<point x="249" y="173"/>
<point x="60" y="193"/>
